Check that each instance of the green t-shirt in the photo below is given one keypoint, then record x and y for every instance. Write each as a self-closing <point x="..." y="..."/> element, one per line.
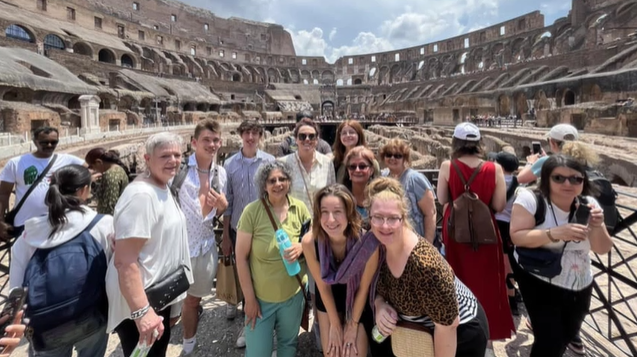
<point x="269" y="277"/>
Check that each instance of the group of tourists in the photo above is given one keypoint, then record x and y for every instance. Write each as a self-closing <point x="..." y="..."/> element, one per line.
<point x="317" y="230"/>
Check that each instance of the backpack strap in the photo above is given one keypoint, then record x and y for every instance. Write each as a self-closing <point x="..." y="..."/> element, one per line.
<point x="513" y="187"/>
<point x="95" y="220"/>
<point x="475" y="173"/>
<point x="179" y="179"/>
<point x="540" y="210"/>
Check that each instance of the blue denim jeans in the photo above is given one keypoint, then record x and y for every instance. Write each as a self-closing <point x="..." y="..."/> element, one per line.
<point x="93" y="345"/>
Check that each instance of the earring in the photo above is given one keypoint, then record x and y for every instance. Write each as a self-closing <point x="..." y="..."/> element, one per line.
<point x="147" y="174"/>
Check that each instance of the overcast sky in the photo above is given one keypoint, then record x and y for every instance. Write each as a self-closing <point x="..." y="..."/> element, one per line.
<point x="334" y="28"/>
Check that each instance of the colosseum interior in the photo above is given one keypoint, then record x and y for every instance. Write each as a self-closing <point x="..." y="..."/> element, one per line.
<point x="94" y="67"/>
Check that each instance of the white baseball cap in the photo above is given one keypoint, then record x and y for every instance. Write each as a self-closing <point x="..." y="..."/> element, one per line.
<point x="466" y="131"/>
<point x="563" y="132"/>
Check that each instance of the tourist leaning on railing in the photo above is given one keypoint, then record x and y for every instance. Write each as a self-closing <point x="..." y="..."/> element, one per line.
<point x="552" y="266"/>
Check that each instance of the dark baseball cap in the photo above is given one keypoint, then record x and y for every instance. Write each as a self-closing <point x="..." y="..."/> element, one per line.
<point x="508" y="161"/>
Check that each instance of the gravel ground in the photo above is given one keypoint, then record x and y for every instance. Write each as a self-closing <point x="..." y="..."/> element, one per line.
<point x="217" y="336"/>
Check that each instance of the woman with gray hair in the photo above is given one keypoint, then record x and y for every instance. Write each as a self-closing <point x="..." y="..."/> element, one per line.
<point x="151" y="252"/>
<point x="273" y="299"/>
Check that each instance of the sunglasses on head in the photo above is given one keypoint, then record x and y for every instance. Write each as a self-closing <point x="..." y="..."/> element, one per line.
<point x="274" y="180"/>
<point x="49" y="142"/>
<point x="359" y="166"/>
<point x="394" y="155"/>
<point x="304" y="137"/>
<point x="573" y="180"/>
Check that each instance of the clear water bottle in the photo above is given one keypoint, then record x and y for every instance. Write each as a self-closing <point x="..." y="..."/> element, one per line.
<point x="283" y="241"/>
<point x="141" y="350"/>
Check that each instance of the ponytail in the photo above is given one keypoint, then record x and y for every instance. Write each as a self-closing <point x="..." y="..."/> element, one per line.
<point x="62" y="195"/>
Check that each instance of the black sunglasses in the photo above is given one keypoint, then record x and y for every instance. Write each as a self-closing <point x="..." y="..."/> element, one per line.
<point x="393" y="155"/>
<point x="359" y="166"/>
<point x="304" y="137"/>
<point x="274" y="180"/>
<point x="573" y="180"/>
<point x="47" y="143"/>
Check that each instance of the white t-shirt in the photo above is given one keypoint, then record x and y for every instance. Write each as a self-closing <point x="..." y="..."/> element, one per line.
<point x="576" y="263"/>
<point x="148" y="212"/>
<point x="23" y="171"/>
<point x="505" y="215"/>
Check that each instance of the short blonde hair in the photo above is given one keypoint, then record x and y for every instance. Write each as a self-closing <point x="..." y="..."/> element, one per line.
<point x="396" y="146"/>
<point x="162" y="139"/>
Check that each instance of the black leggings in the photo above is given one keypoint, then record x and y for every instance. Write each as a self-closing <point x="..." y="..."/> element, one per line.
<point x="129" y="336"/>
<point x="556" y="314"/>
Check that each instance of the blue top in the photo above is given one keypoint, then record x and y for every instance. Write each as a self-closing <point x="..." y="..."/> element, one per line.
<point x="537" y="166"/>
<point x="415" y="185"/>
<point x="241" y="188"/>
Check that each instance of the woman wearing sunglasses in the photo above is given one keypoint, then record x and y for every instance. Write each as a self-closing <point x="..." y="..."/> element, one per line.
<point x="361" y="170"/>
<point x="311" y="170"/>
<point x="557" y="300"/>
<point x="348" y="136"/>
<point x="419" y="191"/>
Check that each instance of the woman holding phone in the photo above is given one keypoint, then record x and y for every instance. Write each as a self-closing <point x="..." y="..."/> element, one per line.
<point x="552" y="263"/>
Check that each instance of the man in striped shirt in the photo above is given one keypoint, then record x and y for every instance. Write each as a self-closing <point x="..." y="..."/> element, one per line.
<point x="241" y="190"/>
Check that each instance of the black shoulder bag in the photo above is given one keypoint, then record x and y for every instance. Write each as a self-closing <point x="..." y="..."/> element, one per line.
<point x="542" y="261"/>
<point x="9" y="218"/>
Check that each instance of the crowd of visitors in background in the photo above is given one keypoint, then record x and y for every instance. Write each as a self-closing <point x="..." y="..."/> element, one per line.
<point x="317" y="230"/>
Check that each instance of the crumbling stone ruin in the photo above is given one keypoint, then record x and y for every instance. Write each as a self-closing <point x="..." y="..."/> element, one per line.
<point x="161" y="61"/>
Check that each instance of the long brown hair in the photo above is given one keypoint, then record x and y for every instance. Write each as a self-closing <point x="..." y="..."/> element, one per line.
<point x="338" y="148"/>
<point x="354" y="220"/>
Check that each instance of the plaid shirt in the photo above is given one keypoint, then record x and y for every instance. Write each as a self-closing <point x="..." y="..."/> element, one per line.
<point x="321" y="175"/>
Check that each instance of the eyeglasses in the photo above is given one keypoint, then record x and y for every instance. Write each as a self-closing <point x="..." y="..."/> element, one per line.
<point x="349" y="133"/>
<point x="310" y="137"/>
<point x="394" y="155"/>
<point x="359" y="166"/>
<point x="391" y="221"/>
<point x="573" y="180"/>
<point x="49" y="142"/>
<point x="274" y="180"/>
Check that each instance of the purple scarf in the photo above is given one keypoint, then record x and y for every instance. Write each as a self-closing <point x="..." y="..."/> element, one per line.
<point x="357" y="253"/>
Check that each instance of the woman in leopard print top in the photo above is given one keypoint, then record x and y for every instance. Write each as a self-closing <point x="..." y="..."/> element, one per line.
<point x="416" y="284"/>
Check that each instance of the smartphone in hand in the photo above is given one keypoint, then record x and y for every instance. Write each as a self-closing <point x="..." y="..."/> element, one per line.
<point x="537" y="147"/>
<point x="582" y="214"/>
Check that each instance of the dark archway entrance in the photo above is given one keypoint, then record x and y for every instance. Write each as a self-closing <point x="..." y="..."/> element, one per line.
<point x="569" y="97"/>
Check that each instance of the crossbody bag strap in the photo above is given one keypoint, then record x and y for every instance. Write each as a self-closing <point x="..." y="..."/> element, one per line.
<point x="269" y="212"/>
<point x="35" y="183"/>
<point x="275" y="226"/>
<point x="307" y="192"/>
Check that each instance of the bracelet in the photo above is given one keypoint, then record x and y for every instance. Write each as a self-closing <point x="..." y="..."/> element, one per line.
<point x="548" y="234"/>
<point x="136" y="315"/>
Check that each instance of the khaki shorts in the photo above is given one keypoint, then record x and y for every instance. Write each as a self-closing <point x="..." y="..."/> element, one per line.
<point x="204" y="271"/>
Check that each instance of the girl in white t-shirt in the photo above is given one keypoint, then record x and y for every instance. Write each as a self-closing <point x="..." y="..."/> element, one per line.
<point x="557" y="306"/>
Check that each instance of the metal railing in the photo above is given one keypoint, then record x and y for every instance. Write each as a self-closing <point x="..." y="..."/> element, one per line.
<point x="613" y="311"/>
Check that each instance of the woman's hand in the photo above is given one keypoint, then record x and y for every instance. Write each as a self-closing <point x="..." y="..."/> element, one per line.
<point x="570" y="232"/>
<point x="150" y="327"/>
<point x="293" y="253"/>
<point x="252" y="311"/>
<point x="14" y="334"/>
<point x="597" y="217"/>
<point x="335" y="340"/>
<point x="386" y="318"/>
<point x="349" y="341"/>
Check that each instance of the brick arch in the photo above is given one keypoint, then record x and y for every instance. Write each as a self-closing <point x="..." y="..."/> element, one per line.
<point x="83" y="48"/>
<point x="106" y="55"/>
<point x="28" y="29"/>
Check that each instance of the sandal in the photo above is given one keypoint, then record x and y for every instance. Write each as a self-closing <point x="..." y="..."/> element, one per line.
<point x="577" y="346"/>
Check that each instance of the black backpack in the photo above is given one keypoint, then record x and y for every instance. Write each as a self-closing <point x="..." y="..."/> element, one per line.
<point x="606" y="196"/>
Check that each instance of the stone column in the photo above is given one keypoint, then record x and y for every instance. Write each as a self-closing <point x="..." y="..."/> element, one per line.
<point x="90" y="113"/>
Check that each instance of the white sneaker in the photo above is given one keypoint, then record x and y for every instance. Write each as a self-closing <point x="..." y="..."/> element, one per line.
<point x="231" y="311"/>
<point x="241" y="340"/>
<point x="273" y="353"/>
<point x="489" y="353"/>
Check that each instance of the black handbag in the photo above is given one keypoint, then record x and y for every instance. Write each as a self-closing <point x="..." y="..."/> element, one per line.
<point x="541" y="261"/>
<point x="162" y="293"/>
